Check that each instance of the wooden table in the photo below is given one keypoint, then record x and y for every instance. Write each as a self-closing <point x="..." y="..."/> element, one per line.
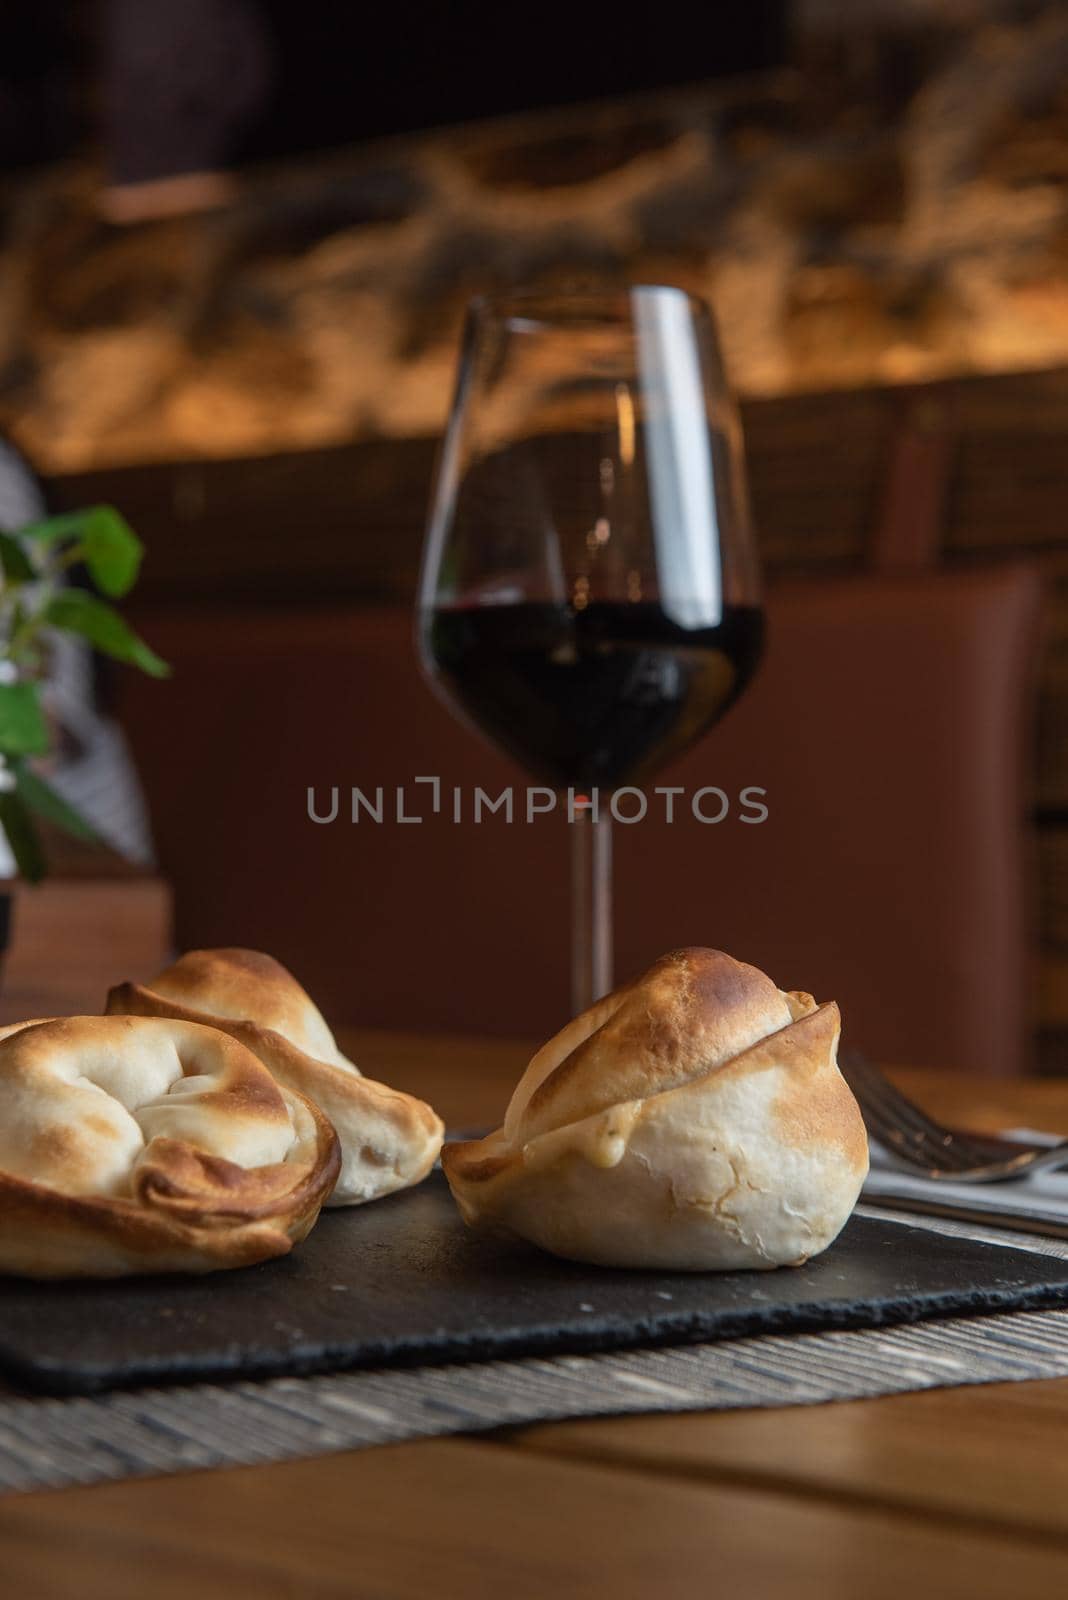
<point x="961" y="1492"/>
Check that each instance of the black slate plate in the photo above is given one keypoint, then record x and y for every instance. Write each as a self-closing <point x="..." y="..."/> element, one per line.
<point x="403" y="1282"/>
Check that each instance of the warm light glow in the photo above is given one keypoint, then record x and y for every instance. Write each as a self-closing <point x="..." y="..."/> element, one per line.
<point x="625" y="415"/>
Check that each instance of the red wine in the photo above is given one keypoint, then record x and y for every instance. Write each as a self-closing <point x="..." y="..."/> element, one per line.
<point x="601" y="696"/>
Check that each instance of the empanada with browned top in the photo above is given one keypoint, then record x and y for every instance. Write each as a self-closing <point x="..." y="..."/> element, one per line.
<point x="695" y="1119"/>
<point x="389" y="1140"/>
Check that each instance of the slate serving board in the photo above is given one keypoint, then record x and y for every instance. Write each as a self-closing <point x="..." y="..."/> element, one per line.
<point x="403" y="1282"/>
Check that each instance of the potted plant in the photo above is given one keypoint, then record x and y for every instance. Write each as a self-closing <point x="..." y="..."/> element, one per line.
<point x="36" y="600"/>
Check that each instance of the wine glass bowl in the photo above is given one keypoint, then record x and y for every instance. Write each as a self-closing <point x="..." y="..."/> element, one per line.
<point x="589" y="595"/>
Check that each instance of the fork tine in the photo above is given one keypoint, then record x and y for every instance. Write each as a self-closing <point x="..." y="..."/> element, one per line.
<point x="940" y="1152"/>
<point x="896" y="1122"/>
<point x="963" y="1149"/>
<point x="915" y="1144"/>
<point x="884" y="1126"/>
<point x="903" y="1126"/>
<point x="875" y="1089"/>
<point x="887" y="1102"/>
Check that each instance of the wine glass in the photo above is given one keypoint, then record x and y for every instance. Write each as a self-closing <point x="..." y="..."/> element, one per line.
<point x="589" y="594"/>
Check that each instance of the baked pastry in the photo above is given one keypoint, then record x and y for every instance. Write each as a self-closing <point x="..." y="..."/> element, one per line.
<point x="389" y="1140"/>
<point x="134" y="1145"/>
<point x="695" y="1119"/>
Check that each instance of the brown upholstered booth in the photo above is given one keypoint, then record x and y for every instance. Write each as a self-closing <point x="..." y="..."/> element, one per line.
<point x="888" y="726"/>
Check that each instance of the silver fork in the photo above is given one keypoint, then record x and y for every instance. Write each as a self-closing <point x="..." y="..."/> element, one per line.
<point x="933" y="1149"/>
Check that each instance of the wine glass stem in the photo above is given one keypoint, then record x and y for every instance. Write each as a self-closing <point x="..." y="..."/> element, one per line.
<point x="591" y="908"/>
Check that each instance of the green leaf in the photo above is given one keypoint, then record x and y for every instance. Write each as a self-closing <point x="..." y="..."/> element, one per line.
<point x="23" y="730"/>
<point x="39" y="796"/>
<point x="77" y="612"/>
<point x="14" y="562"/>
<point x="22" y="836"/>
<point x="111" y="549"/>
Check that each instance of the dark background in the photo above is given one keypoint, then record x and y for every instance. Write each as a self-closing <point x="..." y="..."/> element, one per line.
<point x="189" y="84"/>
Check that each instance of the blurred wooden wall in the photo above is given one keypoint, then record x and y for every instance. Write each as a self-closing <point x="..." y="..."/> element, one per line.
<point x="825" y="472"/>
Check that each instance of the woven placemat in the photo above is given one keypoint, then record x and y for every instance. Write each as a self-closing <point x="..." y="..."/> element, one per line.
<point x="54" y="1443"/>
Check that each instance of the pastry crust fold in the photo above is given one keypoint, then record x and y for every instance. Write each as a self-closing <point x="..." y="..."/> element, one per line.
<point x="694" y="1120"/>
<point x="389" y="1140"/>
<point x="133" y="1145"/>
